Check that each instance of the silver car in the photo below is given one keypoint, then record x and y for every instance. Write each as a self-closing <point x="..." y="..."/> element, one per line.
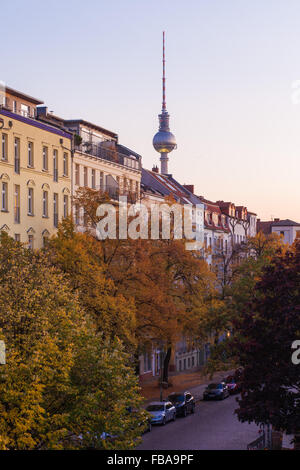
<point x="161" y="412"/>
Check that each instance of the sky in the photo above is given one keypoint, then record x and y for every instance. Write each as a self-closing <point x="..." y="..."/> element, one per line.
<point x="233" y="84"/>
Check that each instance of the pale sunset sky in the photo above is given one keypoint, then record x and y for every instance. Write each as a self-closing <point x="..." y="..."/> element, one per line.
<point x="231" y="68"/>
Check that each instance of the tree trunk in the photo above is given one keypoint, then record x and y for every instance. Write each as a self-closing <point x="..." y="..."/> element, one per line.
<point x="166" y="365"/>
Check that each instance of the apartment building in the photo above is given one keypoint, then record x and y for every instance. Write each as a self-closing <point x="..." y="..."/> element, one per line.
<point x="35" y="171"/>
<point x="99" y="161"/>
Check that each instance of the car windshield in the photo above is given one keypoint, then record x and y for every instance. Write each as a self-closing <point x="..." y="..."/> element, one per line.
<point x="176" y="397"/>
<point x="155" y="408"/>
<point x="214" y="386"/>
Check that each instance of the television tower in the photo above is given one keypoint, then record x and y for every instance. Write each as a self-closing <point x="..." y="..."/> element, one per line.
<point x="164" y="141"/>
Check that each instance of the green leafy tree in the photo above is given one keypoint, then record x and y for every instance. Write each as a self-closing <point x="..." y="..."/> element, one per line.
<point x="63" y="384"/>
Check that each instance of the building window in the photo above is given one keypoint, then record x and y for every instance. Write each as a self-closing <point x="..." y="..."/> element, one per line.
<point x="147" y="362"/>
<point x="45" y="203"/>
<point x="55" y="166"/>
<point x="77" y="179"/>
<point x="4" y="198"/>
<point x="66" y="164"/>
<point x="77" y="219"/>
<point x="55" y="210"/>
<point x="4" y="147"/>
<point x="17" y="237"/>
<point x="17" y="204"/>
<point x="66" y="206"/>
<point x="30" y="201"/>
<point x="25" y="110"/>
<point x="94" y="179"/>
<point x="30" y="242"/>
<point x="17" y="155"/>
<point x="30" y="154"/>
<point x="85" y="176"/>
<point x="101" y="181"/>
<point x="45" y="158"/>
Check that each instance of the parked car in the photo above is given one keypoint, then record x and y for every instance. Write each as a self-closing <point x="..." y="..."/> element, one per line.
<point x="216" y="391"/>
<point x="183" y="402"/>
<point x="161" y="412"/>
<point x="232" y="384"/>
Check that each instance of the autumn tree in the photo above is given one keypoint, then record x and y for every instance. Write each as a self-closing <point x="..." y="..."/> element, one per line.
<point x="80" y="257"/>
<point x="63" y="384"/>
<point x="166" y="282"/>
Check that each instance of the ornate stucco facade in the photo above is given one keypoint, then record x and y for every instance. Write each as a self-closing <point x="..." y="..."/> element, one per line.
<point x="35" y="173"/>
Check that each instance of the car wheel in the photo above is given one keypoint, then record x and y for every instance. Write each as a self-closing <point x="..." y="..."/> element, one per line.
<point x="193" y="409"/>
<point x="184" y="412"/>
<point x="174" y="416"/>
<point x="149" y="427"/>
<point x="163" y="421"/>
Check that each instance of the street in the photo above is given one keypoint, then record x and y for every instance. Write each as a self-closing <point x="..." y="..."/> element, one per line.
<point x="213" y="427"/>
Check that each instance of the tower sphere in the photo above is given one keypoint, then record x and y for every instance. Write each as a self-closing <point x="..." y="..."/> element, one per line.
<point x="164" y="142"/>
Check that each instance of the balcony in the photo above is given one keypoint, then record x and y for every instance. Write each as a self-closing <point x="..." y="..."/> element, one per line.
<point x="114" y="194"/>
<point x="19" y="111"/>
<point x="111" y="155"/>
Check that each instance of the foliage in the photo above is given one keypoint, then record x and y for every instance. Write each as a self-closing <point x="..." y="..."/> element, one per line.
<point x="80" y="257"/>
<point x="63" y="384"/>
<point x="265" y="331"/>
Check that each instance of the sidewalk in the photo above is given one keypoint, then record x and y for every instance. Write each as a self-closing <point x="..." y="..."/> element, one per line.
<point x="194" y="382"/>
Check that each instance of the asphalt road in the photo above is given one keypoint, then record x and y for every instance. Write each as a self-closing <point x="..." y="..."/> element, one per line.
<point x="213" y="427"/>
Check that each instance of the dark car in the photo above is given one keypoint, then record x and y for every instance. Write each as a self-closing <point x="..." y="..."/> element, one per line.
<point x="216" y="391"/>
<point x="232" y="384"/>
<point x="183" y="402"/>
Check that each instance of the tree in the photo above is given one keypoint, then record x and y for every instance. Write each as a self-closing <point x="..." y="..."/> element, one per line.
<point x="80" y="257"/>
<point x="268" y="325"/>
<point x="237" y="274"/>
<point x="63" y="384"/>
<point x="166" y="282"/>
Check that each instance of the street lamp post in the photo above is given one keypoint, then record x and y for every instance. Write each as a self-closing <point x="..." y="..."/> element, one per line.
<point x="161" y="373"/>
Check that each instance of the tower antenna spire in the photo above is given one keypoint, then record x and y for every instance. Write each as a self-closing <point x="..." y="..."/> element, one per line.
<point x="164" y="107"/>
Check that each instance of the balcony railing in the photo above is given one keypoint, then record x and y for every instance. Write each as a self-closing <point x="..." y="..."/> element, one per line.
<point x="18" y="111"/>
<point x="98" y="151"/>
<point x="114" y="193"/>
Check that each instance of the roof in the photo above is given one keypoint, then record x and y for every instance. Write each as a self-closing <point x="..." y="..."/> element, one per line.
<point x="168" y="186"/>
<point x="20" y="94"/>
<point x="265" y="227"/>
<point x="285" y="223"/>
<point x="36" y="123"/>
<point x="126" y="151"/>
<point x="90" y="124"/>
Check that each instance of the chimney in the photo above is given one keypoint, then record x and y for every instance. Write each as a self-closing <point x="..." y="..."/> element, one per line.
<point x="276" y="220"/>
<point x="189" y="187"/>
<point x="155" y="169"/>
